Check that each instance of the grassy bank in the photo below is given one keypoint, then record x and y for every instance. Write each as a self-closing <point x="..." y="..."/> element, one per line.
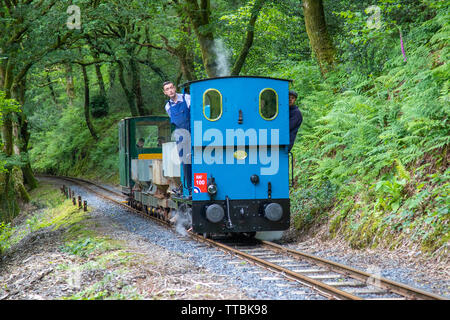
<point x="74" y="235"/>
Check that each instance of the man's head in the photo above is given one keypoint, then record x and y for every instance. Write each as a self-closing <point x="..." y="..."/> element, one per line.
<point x="141" y="142"/>
<point x="169" y="89"/>
<point x="292" y="97"/>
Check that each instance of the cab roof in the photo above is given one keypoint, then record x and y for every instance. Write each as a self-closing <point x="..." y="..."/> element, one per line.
<point x="186" y="84"/>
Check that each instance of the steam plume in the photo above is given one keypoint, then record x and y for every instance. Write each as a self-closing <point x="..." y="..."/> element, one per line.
<point x="222" y="54"/>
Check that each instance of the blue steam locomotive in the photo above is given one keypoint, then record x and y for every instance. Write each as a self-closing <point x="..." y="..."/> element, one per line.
<point x="238" y="150"/>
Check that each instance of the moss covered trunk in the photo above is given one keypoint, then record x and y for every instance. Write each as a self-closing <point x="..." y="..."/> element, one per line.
<point x="12" y="187"/>
<point x="199" y="15"/>
<point x="9" y="207"/>
<point x="319" y="38"/>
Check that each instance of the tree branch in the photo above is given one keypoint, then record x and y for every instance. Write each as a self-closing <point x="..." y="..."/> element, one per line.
<point x="149" y="45"/>
<point x="248" y="42"/>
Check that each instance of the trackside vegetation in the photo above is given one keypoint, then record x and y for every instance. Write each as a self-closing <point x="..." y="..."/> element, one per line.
<point x="372" y="161"/>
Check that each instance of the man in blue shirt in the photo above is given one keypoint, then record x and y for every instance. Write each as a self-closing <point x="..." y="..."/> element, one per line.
<point x="295" y="118"/>
<point x="178" y="109"/>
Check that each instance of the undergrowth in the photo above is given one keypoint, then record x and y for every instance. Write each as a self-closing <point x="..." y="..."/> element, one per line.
<point x="80" y="239"/>
<point x="372" y="155"/>
<point x="67" y="148"/>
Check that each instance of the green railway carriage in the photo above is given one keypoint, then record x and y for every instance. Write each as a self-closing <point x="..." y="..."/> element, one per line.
<point x="155" y="130"/>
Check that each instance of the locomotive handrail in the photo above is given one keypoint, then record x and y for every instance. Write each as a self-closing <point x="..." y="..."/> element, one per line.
<point x="292" y="169"/>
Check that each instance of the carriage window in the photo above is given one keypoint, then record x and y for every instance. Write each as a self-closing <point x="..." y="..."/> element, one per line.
<point x="268" y="104"/>
<point x="212" y="104"/>
<point x="147" y="136"/>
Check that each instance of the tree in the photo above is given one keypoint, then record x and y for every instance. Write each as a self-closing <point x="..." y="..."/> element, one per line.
<point x="22" y="46"/>
<point x="119" y="30"/>
<point x="319" y="38"/>
<point x="87" y="114"/>
<point x="248" y="41"/>
<point x="200" y="17"/>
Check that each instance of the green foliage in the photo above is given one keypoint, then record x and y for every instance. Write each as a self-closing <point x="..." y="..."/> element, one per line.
<point x="381" y="138"/>
<point x="102" y="290"/>
<point x="310" y="206"/>
<point x="7" y="106"/>
<point x="68" y="148"/>
<point x="99" y="106"/>
<point x="275" y="26"/>
<point x="372" y="152"/>
<point x="6" y="232"/>
<point x="82" y="247"/>
<point x="389" y="194"/>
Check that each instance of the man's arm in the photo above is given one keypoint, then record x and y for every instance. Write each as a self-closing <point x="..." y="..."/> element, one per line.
<point x="167" y="107"/>
<point x="187" y="97"/>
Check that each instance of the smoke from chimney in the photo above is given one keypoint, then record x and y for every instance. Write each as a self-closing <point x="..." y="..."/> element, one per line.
<point x="222" y="54"/>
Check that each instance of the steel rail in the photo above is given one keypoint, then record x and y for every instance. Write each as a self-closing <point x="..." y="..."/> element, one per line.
<point x="323" y="288"/>
<point x="318" y="285"/>
<point x="76" y="181"/>
<point x="396" y="287"/>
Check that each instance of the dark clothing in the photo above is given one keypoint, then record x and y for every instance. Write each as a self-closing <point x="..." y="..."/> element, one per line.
<point x="295" y="120"/>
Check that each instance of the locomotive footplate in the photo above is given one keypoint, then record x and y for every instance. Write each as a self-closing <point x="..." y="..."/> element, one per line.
<point x="241" y="216"/>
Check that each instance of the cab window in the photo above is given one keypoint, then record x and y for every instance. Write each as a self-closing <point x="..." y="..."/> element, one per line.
<point x="212" y="104"/>
<point x="268" y="104"/>
<point x="150" y="135"/>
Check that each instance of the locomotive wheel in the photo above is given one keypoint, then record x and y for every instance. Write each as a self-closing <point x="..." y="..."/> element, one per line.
<point x="250" y="235"/>
<point x="240" y="235"/>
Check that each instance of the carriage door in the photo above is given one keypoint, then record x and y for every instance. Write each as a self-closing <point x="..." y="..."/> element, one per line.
<point x="124" y="154"/>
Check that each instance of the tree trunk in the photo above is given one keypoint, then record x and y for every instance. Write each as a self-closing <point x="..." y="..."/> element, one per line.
<point x="9" y="206"/>
<point x="70" y="87"/>
<point x="128" y="93"/>
<point x="11" y="180"/>
<point x="199" y="16"/>
<point x="87" y="114"/>
<point x="28" y="175"/>
<point x="52" y="90"/>
<point x="22" y="136"/>
<point x="136" y="86"/>
<point x="319" y="38"/>
<point x="248" y="39"/>
<point x="98" y="71"/>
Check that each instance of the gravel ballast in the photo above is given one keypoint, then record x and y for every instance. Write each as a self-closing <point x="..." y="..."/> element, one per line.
<point x="171" y="266"/>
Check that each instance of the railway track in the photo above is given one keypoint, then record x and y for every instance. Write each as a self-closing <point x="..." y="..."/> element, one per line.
<point x="328" y="278"/>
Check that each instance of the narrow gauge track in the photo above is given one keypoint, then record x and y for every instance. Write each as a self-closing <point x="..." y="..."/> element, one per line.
<point x="328" y="278"/>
